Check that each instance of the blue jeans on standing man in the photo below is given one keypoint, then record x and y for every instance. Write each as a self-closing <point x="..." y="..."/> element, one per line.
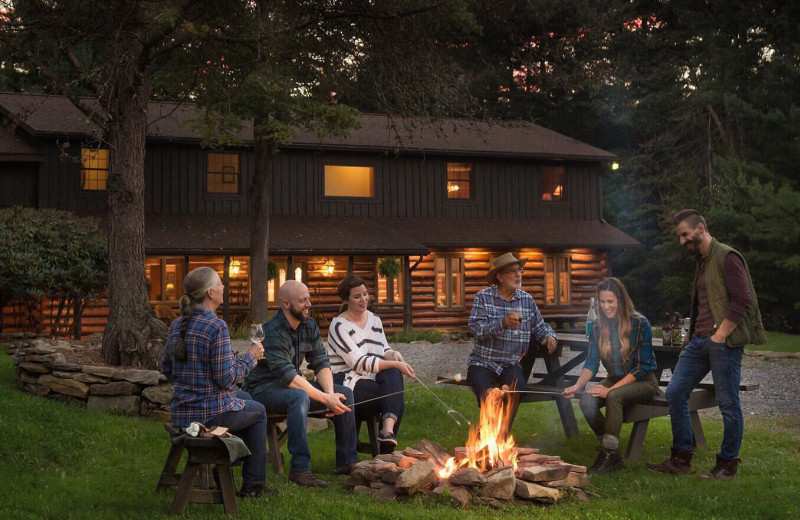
<point x="250" y="425"/>
<point x="296" y="404"/>
<point x="725" y="364"/>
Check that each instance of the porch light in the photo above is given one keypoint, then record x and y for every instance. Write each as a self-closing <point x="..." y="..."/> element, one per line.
<point x="615" y="165"/>
<point x="233" y="270"/>
<point x="328" y="267"/>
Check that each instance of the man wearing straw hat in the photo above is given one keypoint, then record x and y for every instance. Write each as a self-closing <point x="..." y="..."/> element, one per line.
<point x="504" y="318"/>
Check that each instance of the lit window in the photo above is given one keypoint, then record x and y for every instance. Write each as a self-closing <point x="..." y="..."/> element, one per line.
<point x="449" y="281"/>
<point x="459" y="180"/>
<point x="94" y="169"/>
<point x="273" y="284"/>
<point x="164" y="278"/>
<point x="349" y="181"/>
<point x="556" y="280"/>
<point x="390" y="288"/>
<point x="552" y="183"/>
<point x="223" y="173"/>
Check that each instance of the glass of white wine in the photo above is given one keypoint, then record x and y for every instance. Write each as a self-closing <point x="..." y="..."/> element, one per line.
<point x="517" y="308"/>
<point x="256" y="333"/>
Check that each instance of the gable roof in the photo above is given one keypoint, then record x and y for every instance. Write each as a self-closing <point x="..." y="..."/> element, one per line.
<point x="52" y="116"/>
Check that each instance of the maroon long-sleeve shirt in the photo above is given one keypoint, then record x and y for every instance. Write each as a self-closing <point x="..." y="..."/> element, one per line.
<point x="738" y="289"/>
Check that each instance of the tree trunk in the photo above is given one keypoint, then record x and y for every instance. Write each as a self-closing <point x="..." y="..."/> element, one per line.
<point x="260" y="191"/>
<point x="133" y="336"/>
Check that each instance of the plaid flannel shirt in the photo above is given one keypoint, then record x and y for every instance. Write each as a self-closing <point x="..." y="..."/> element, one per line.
<point x="495" y="346"/>
<point x="205" y="383"/>
<point x="640" y="360"/>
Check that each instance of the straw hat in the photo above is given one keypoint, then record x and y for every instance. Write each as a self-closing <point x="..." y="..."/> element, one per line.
<point x="499" y="263"/>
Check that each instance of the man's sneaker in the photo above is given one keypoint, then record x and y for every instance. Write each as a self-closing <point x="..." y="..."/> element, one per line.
<point x="307" y="479"/>
<point x="387" y="438"/>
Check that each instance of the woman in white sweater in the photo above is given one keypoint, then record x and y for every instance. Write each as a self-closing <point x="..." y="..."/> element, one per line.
<point x="362" y="360"/>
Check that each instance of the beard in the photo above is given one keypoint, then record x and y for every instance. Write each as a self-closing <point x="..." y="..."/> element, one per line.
<point x="298" y="314"/>
<point x="694" y="246"/>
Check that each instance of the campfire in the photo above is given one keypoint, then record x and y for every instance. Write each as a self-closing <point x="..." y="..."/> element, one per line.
<point x="489" y="469"/>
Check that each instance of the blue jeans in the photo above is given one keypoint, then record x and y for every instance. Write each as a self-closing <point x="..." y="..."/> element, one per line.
<point x="483" y="379"/>
<point x="296" y="405"/>
<point x="249" y="424"/>
<point x="725" y="363"/>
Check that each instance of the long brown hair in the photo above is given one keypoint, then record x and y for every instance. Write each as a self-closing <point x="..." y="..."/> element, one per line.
<point x="624" y="310"/>
<point x="349" y="283"/>
<point x="195" y="286"/>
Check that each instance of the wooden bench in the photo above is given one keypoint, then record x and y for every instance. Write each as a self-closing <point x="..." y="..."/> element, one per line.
<point x="194" y="484"/>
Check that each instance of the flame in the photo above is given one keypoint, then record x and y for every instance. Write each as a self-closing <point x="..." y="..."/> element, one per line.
<point x="489" y="445"/>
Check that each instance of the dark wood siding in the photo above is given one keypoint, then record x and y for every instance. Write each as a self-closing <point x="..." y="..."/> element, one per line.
<point x="19" y="184"/>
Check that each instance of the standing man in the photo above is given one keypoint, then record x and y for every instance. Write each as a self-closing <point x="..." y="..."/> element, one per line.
<point x="503" y="320"/>
<point x="725" y="317"/>
<point x="278" y="384"/>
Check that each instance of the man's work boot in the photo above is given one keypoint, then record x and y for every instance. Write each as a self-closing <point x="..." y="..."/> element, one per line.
<point x="679" y="464"/>
<point x="723" y="469"/>
<point x="609" y="459"/>
<point x="307" y="479"/>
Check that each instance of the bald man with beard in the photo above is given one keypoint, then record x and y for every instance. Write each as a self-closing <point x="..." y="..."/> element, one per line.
<point x="291" y="337"/>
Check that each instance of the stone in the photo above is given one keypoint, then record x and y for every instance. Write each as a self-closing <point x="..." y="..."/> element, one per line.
<point x="160" y="415"/>
<point x="36" y="368"/>
<point x="106" y="372"/>
<point x="67" y="367"/>
<point x="500" y="483"/>
<point x="363" y="490"/>
<point x="389" y="474"/>
<point x="545" y="473"/>
<point x="393" y="458"/>
<point x="79" y="376"/>
<point x="411" y="452"/>
<point x="55" y="358"/>
<point x="416" y="478"/>
<point x="29" y="378"/>
<point x="537" y="458"/>
<point x="574" y="479"/>
<point x="161" y="394"/>
<point x="145" y="377"/>
<point x="467" y="477"/>
<point x="115" y="388"/>
<point x="578" y="469"/>
<point x="385" y="494"/>
<point x="463" y="496"/>
<point x="36" y="389"/>
<point x="356" y="479"/>
<point x="522" y="451"/>
<point x="40" y="346"/>
<point x="532" y="491"/>
<point x="407" y="462"/>
<point x="124" y="404"/>
<point x="65" y="386"/>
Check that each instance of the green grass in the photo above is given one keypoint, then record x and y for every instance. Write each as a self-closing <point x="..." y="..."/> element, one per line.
<point x="434" y="336"/>
<point x="779" y="342"/>
<point x="60" y="461"/>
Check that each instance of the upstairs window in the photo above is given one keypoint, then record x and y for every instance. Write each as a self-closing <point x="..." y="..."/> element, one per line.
<point x="459" y="180"/>
<point x="552" y="183"/>
<point x="449" y="282"/>
<point x="94" y="169"/>
<point x="223" y="173"/>
<point x="557" y="289"/>
<point x="349" y="181"/>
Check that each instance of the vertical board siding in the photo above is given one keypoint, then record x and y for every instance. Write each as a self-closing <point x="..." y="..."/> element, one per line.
<point x="19" y="184"/>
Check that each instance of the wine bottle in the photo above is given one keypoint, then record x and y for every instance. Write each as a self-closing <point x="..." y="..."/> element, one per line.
<point x="676" y="330"/>
<point x="666" y="331"/>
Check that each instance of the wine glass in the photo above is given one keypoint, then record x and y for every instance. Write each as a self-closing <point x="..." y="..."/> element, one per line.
<point x="256" y="332"/>
<point x="518" y="309"/>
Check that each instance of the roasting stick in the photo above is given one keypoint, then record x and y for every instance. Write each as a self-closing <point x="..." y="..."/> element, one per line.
<point x="539" y="392"/>
<point x="451" y="412"/>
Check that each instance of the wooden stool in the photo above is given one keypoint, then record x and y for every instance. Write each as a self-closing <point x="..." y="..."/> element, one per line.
<point x="276" y="437"/>
<point x="373" y="421"/>
<point x="194" y="484"/>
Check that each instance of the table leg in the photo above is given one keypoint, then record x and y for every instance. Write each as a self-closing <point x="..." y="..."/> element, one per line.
<point x="556" y="375"/>
<point x="636" y="441"/>
<point x="697" y="431"/>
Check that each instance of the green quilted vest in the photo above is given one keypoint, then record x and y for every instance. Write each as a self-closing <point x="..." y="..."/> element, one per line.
<point x="750" y="330"/>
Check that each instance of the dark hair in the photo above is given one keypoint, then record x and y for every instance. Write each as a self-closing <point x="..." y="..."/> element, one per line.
<point x="349" y="283"/>
<point x="624" y="310"/>
<point x="195" y="286"/>
<point x="691" y="216"/>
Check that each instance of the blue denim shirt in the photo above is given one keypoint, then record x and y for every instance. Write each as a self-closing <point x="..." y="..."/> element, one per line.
<point x="640" y="360"/>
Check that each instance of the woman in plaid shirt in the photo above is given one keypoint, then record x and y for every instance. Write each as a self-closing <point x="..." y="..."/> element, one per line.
<point x="203" y="369"/>
<point x="622" y="341"/>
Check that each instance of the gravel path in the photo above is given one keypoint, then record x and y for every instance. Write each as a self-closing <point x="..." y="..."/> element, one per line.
<point x="779" y="378"/>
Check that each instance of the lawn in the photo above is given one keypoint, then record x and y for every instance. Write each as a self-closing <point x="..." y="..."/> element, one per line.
<point x="779" y="342"/>
<point x="61" y="461"/>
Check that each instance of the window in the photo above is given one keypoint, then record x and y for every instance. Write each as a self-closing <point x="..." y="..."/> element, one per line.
<point x="274" y="284"/>
<point x="390" y="288"/>
<point x="164" y="278"/>
<point x="556" y="280"/>
<point x="459" y="180"/>
<point x="94" y="169"/>
<point x="349" y="181"/>
<point x="449" y="281"/>
<point x="223" y="173"/>
<point x="552" y="183"/>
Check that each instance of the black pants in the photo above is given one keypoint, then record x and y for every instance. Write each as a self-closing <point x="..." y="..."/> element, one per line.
<point x="386" y="382"/>
<point x="482" y="380"/>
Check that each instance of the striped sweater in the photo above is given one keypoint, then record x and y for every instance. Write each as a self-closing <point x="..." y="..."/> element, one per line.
<point x="356" y="351"/>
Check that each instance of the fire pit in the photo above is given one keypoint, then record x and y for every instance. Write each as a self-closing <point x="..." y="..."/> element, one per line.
<point x="489" y="469"/>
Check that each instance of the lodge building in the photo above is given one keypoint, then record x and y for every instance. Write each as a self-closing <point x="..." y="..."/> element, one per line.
<point x="439" y="201"/>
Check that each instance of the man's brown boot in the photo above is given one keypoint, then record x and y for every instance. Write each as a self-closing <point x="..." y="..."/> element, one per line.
<point x="679" y="463"/>
<point x="723" y="469"/>
<point x="307" y="479"/>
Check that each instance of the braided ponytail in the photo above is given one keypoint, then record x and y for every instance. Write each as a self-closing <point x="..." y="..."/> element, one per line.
<point x="195" y="286"/>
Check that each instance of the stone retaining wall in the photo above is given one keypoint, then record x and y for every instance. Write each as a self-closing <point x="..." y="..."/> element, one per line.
<point x="42" y="368"/>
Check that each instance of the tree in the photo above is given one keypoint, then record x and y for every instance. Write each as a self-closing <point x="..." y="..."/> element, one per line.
<point x="112" y="49"/>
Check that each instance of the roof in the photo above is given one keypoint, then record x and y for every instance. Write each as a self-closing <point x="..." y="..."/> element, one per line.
<point x="209" y="234"/>
<point x="50" y="115"/>
<point x="13" y="145"/>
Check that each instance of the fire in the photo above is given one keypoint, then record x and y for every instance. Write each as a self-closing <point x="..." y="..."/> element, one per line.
<point x="489" y="444"/>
